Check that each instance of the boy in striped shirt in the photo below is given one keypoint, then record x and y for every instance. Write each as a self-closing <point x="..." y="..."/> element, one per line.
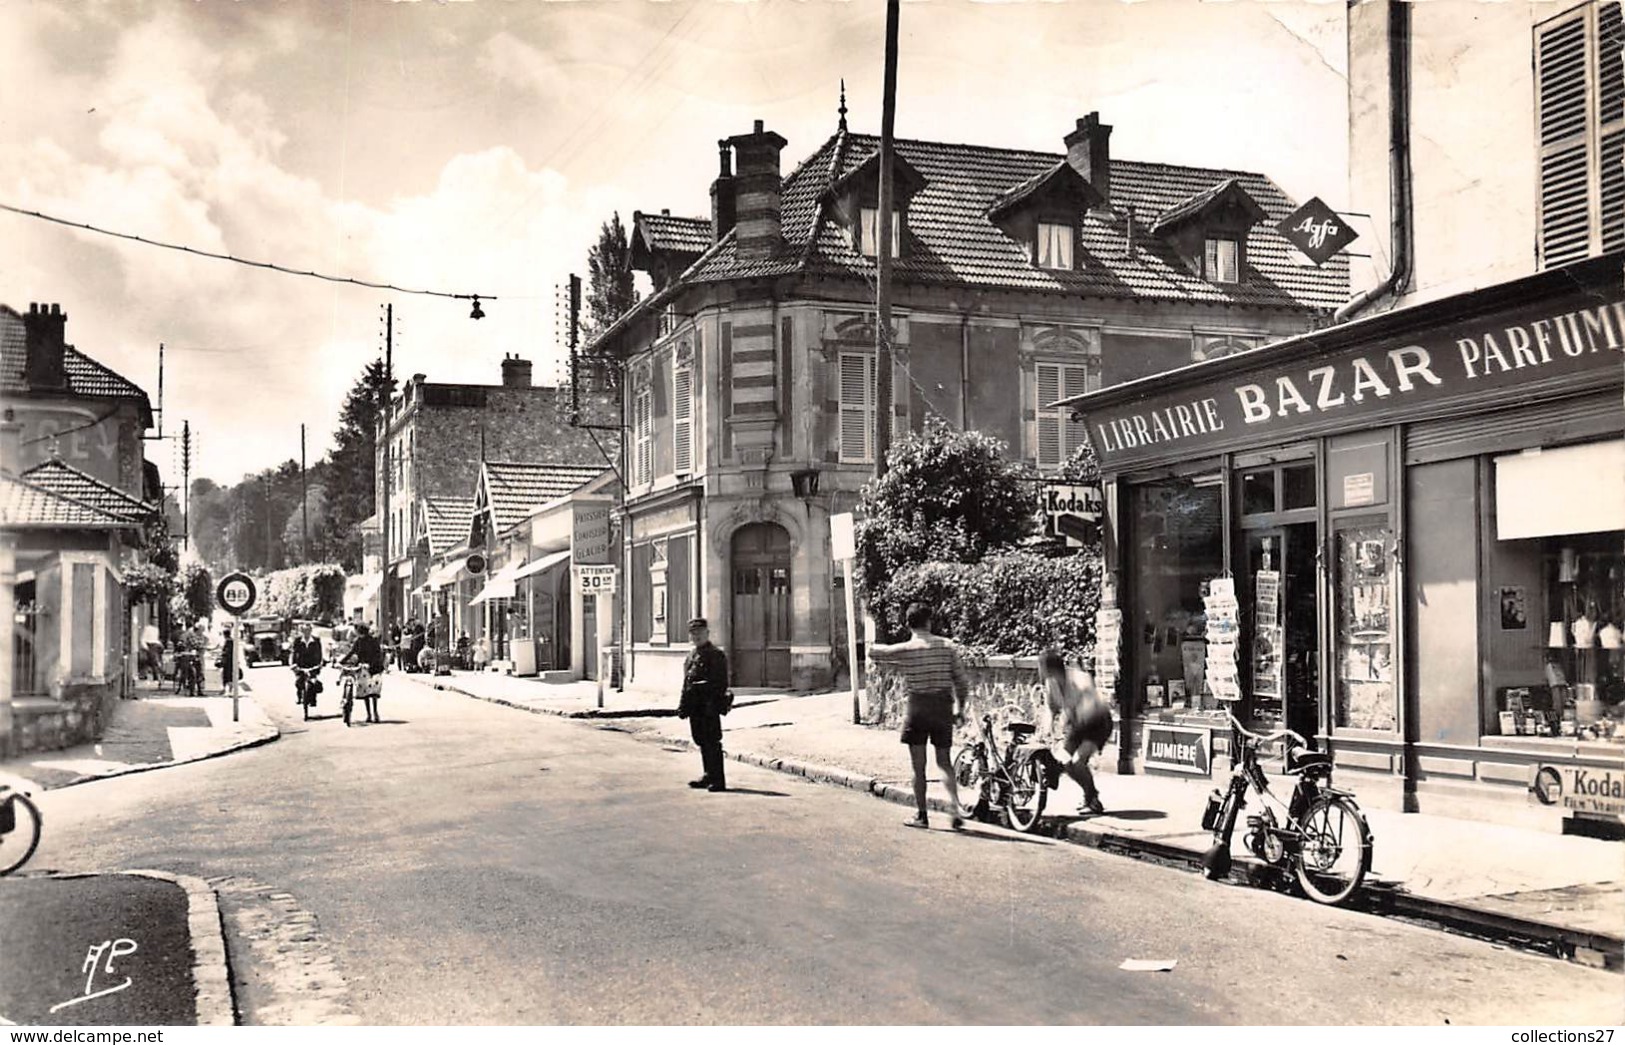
<point x="937" y="690"/>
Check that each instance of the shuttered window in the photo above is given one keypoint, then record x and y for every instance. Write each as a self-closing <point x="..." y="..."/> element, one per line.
<point x="682" y="420"/>
<point x="643" y="428"/>
<point x="1580" y="100"/>
<point x="1057" y="434"/>
<point x="857" y="407"/>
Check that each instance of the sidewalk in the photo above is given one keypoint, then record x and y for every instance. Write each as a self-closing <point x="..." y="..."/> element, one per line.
<point x="569" y="699"/>
<point x="1508" y="883"/>
<point x="148" y="732"/>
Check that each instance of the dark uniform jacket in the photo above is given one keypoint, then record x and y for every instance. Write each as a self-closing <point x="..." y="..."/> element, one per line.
<point x="705" y="680"/>
<point x="307" y="654"/>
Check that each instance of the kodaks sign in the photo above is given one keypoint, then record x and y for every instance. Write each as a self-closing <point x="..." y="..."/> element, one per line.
<point x="1375" y="382"/>
<point x="1580" y="789"/>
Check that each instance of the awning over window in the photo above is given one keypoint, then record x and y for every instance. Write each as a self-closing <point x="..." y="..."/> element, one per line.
<point x="546" y="562"/>
<point x="1570" y="489"/>
<point x="501" y="584"/>
<point x="446" y="575"/>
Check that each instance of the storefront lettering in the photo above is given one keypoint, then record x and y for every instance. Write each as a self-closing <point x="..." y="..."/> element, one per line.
<point x="1501" y="352"/>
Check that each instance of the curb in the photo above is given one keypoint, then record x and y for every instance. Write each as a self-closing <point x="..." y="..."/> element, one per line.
<point x="1582" y="947"/>
<point x="211" y="974"/>
<point x="556" y="712"/>
<point x="259" y="740"/>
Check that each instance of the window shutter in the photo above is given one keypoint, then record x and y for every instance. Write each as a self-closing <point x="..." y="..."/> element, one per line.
<point x="682" y="412"/>
<point x="1075" y="383"/>
<point x="645" y="437"/>
<point x="857" y="406"/>
<point x="1049" y="421"/>
<point x="1611" y="117"/>
<point x="1565" y="159"/>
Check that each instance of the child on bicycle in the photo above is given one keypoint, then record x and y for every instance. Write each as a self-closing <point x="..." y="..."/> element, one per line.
<point x="1086" y="723"/>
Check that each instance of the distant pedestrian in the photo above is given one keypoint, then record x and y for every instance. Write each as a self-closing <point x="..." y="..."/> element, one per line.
<point x="938" y="688"/>
<point x="705" y="688"/>
<point x="152" y="653"/>
<point x="1086" y="723"/>
<point x="368" y="652"/>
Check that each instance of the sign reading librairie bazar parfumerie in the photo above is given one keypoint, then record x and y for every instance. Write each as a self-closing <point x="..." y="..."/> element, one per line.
<point x="1523" y="352"/>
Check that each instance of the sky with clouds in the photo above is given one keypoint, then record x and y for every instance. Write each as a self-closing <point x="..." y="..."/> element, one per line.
<point x="476" y="147"/>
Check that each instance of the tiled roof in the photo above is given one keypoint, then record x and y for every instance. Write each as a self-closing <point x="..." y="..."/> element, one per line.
<point x="67" y="481"/>
<point x="25" y="504"/>
<point x="447" y="520"/>
<point x="86" y="377"/>
<point x="665" y="232"/>
<point x="1226" y="189"/>
<point x="1060" y="175"/>
<point x="951" y="240"/>
<point x="517" y="489"/>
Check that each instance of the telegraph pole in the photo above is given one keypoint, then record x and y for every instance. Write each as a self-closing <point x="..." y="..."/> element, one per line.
<point x="575" y="347"/>
<point x="304" y="499"/>
<point x="883" y="258"/>
<point x="265" y="495"/>
<point x="186" y="481"/>
<point x="384" y="509"/>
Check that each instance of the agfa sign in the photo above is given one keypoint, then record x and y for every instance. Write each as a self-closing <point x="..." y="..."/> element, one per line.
<point x="1315" y="229"/>
<point x="1072" y="512"/>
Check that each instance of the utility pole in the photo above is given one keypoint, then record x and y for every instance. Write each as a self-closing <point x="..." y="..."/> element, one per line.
<point x="575" y="345"/>
<point x="384" y="509"/>
<point x="186" y="481"/>
<point x="883" y="258"/>
<point x="304" y="499"/>
<point x="265" y="495"/>
<point x="161" y="390"/>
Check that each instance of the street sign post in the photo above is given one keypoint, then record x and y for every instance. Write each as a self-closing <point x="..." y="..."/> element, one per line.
<point x="598" y="580"/>
<point x="236" y="595"/>
<point x="843" y="545"/>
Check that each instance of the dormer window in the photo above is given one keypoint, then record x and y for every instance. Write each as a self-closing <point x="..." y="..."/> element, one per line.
<point x="1053" y="249"/>
<point x="869" y="233"/>
<point x="1222" y="261"/>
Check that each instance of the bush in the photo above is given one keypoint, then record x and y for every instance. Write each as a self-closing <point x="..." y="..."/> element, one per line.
<point x="307" y="592"/>
<point x="196" y="590"/>
<point x="1014" y="602"/>
<point x="148" y="582"/>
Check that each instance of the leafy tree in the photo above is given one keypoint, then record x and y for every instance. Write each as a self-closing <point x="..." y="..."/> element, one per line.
<point x="148" y="582"/>
<point x="351" y="465"/>
<point x="948" y="496"/>
<point x="195" y="588"/>
<point x="609" y="278"/>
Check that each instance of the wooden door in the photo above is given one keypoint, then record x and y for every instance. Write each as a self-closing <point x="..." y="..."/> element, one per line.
<point x="760" y="586"/>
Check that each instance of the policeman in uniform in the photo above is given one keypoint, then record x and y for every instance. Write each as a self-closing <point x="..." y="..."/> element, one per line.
<point x="705" y="681"/>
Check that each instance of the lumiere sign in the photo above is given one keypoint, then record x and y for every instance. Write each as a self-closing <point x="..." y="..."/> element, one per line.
<point x="1516" y="352"/>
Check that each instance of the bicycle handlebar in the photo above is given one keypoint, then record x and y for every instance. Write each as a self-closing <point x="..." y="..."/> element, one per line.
<point x="1280" y="734"/>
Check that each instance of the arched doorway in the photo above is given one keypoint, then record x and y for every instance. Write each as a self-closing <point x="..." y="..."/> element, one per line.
<point x="760" y="630"/>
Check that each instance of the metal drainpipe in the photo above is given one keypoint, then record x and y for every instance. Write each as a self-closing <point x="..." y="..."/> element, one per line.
<point x="1399" y="161"/>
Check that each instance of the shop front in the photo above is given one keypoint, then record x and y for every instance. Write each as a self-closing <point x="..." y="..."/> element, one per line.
<point x="1403" y="538"/>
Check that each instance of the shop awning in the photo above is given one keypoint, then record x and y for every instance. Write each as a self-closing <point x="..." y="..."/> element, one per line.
<point x="546" y="562"/>
<point x="501" y="584"/>
<point x="446" y="575"/>
<point x="361" y="589"/>
<point x="1554" y="492"/>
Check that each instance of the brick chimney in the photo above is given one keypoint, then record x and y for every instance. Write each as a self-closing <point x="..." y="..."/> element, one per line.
<point x="757" y="196"/>
<point x="1088" y="150"/>
<point x="723" y="212"/>
<point x="45" y="369"/>
<point x="515" y="372"/>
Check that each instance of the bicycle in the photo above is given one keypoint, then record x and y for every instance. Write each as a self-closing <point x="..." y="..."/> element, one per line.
<point x="305" y="684"/>
<point x="353" y="675"/>
<point x="1322" y="841"/>
<point x="17" y="839"/>
<point x="1014" y="779"/>
<point x="189" y="673"/>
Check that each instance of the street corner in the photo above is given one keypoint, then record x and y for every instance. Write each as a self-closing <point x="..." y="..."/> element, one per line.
<point x="118" y="949"/>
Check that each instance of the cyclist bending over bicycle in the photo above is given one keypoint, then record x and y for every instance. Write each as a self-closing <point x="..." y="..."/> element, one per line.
<point x="369" y="654"/>
<point x="1086" y="723"/>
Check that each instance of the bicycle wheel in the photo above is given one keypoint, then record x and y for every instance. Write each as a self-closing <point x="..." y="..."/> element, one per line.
<point x="1335" y="851"/>
<point x="18" y="844"/>
<point x="970" y="775"/>
<point x="349" y="701"/>
<point x="1024" y="799"/>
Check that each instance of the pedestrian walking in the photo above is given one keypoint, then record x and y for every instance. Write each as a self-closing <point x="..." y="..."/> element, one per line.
<point x="1085" y="719"/>
<point x="937" y="687"/>
<point x="152" y="653"/>
<point x="705" y="689"/>
<point x="368" y="652"/>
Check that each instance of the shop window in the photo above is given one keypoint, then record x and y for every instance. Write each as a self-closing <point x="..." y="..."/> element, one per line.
<point x="1179" y="546"/>
<point x="1258" y="492"/>
<point x="1366" y="697"/>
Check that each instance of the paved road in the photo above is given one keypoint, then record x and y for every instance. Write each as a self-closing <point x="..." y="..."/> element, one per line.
<point x="470" y="863"/>
<point x="108" y="951"/>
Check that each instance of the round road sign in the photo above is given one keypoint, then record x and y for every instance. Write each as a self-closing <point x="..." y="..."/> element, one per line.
<point x="236" y="593"/>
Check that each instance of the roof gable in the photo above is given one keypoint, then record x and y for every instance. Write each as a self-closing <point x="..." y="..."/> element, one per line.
<point x="446" y="522"/>
<point x="1059" y="183"/>
<point x="511" y="491"/>
<point x="67" y="481"/>
<point x="86" y="377"/>
<point x="26" y="504"/>
<point x="1216" y="198"/>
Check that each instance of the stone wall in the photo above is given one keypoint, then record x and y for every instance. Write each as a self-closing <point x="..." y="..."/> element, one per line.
<point x="79" y="714"/>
